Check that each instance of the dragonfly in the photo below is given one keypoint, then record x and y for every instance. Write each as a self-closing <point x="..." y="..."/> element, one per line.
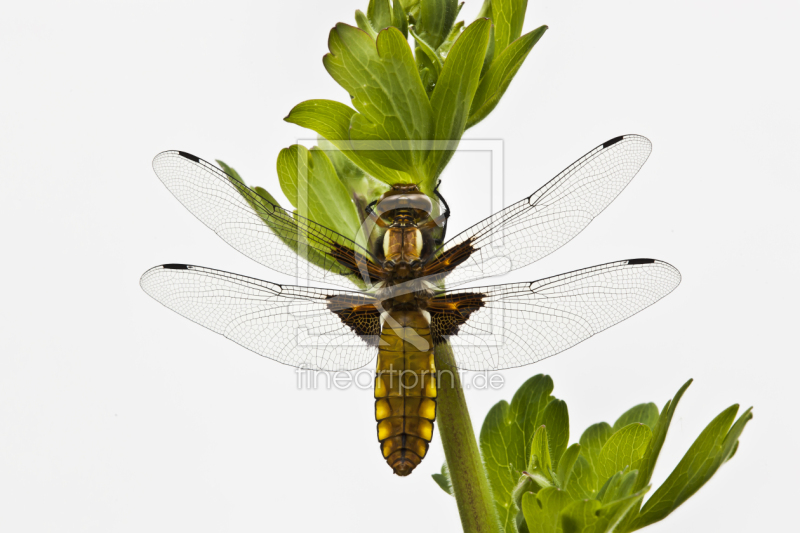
<point x="411" y="297"/>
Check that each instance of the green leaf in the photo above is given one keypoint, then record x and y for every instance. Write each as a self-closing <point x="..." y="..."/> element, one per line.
<point x="309" y="181"/>
<point x="713" y="447"/>
<point x="257" y="206"/>
<point x="363" y="23"/>
<point x="379" y="14"/>
<point x="436" y="18"/>
<point x="618" y="486"/>
<point x="399" y="18"/>
<point x="592" y="441"/>
<point x="362" y="187"/>
<point x="503" y="68"/>
<point x="506" y="438"/>
<point x="624" y="450"/>
<point x="556" y="419"/>
<point x="582" y="482"/>
<point x="540" y="467"/>
<point x="487" y="61"/>
<point x="565" y="465"/>
<point x="452" y="97"/>
<point x="542" y="510"/>
<point x="644" y="413"/>
<point x="486" y="10"/>
<point x="659" y="435"/>
<point x="434" y="60"/>
<point x="591" y="516"/>
<point x="443" y="480"/>
<point x="272" y="220"/>
<point x="454" y="34"/>
<point x="508" y="17"/>
<point x="386" y="90"/>
<point x="332" y="120"/>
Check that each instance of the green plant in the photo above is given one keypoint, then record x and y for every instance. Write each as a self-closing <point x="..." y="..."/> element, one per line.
<point x="410" y="108"/>
<point x="540" y="484"/>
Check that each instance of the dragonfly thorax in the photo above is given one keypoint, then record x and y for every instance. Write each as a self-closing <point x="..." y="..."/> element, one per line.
<point x="405" y="247"/>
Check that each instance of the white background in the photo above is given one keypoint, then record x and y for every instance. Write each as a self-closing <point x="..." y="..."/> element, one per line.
<point x="119" y="415"/>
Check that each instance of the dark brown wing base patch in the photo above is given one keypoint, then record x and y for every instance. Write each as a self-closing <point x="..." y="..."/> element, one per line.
<point x="359" y="314"/>
<point x="450" y="311"/>
<point x="355" y="262"/>
<point x="445" y="263"/>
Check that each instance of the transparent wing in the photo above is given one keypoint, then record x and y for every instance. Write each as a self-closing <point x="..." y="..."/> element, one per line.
<point x="259" y="229"/>
<point x="540" y="224"/>
<point x="506" y="326"/>
<point x="297" y="326"/>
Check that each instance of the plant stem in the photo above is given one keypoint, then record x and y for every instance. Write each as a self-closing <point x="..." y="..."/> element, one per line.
<point x="470" y="484"/>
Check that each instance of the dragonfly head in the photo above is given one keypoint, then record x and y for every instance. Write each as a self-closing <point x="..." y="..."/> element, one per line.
<point x="406" y="201"/>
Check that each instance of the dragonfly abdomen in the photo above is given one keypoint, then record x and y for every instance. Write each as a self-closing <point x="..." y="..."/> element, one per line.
<point x="405" y="389"/>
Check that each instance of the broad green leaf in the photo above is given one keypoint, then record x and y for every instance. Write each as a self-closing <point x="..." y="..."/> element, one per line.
<point x="309" y="181"/>
<point x="503" y="68"/>
<point x="659" y="434"/>
<point x="542" y="510"/>
<point x="582" y="482"/>
<point x="362" y="187"/>
<point x="564" y="470"/>
<point x="556" y="420"/>
<point x="501" y="456"/>
<point x="540" y="467"/>
<point x="712" y="448"/>
<point x="452" y="97"/>
<point x="271" y="219"/>
<point x="506" y="438"/>
<point x="644" y="413"/>
<point x="508" y="16"/>
<point x="379" y="14"/>
<point x="332" y="120"/>
<point x="382" y="80"/>
<point x="527" y="411"/>
<point x="436" y="18"/>
<point x="443" y="480"/>
<point x="592" y="441"/>
<point x="590" y="516"/>
<point x="624" y="450"/>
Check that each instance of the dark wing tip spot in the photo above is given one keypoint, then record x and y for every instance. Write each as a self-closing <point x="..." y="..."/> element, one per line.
<point x="641" y="261"/>
<point x="615" y="140"/>
<point x="175" y="266"/>
<point x="189" y="156"/>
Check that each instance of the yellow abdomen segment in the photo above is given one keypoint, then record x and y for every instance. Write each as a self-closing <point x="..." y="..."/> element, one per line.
<point x="405" y="390"/>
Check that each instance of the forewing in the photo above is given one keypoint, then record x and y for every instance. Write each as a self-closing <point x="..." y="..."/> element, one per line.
<point x="298" y="326"/>
<point x="505" y="326"/>
<point x="540" y="224"/>
<point x="259" y="229"/>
